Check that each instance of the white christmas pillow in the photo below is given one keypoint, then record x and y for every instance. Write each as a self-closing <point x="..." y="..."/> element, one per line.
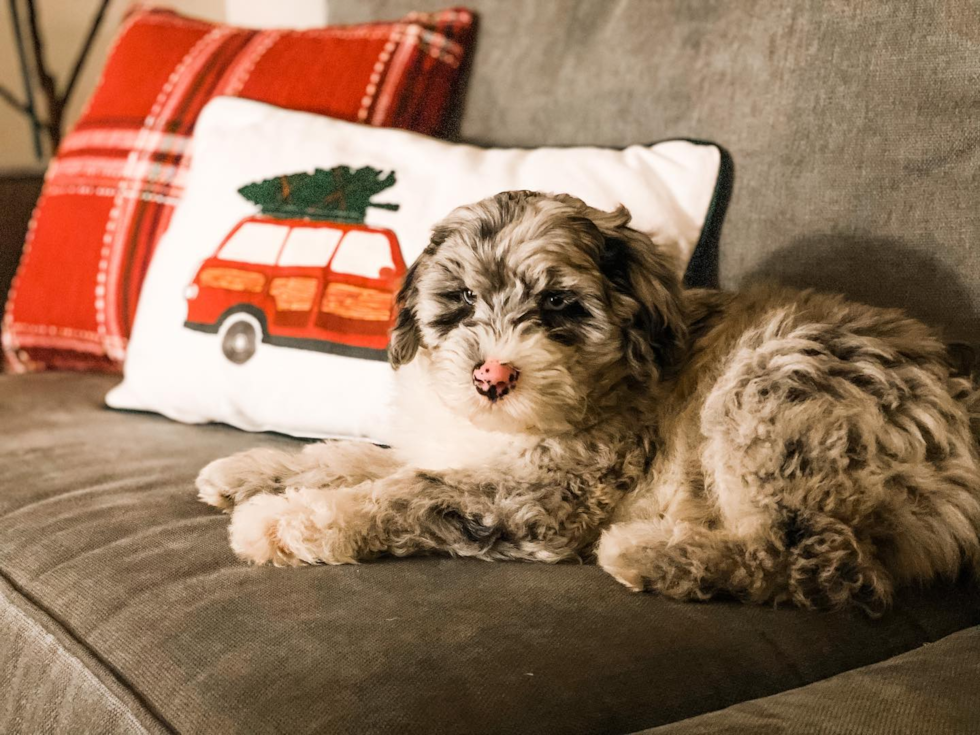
<point x="268" y="301"/>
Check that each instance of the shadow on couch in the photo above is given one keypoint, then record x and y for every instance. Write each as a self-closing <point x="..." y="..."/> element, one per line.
<point x="881" y="272"/>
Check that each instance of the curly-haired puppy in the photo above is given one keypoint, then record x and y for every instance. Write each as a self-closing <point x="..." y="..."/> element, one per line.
<point x="562" y="397"/>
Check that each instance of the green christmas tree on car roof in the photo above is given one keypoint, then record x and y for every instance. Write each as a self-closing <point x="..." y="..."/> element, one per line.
<point x="339" y="194"/>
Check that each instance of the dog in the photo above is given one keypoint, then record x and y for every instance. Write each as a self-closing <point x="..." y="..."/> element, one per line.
<point x="561" y="397"/>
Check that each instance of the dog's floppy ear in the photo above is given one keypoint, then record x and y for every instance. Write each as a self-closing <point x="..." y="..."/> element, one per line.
<point x="406" y="335"/>
<point x="646" y="296"/>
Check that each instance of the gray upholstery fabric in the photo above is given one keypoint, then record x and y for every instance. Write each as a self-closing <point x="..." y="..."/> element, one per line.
<point x="104" y="546"/>
<point x="853" y="130"/>
<point x="934" y="690"/>
<point x="852" y="124"/>
<point x="50" y="684"/>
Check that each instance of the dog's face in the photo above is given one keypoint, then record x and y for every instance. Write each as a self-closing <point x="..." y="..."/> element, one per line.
<point x="530" y="312"/>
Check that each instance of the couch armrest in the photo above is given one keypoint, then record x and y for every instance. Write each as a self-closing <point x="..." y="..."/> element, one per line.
<point x="18" y="193"/>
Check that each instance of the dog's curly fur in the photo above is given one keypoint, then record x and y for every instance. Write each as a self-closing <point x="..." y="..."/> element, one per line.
<point x="772" y="445"/>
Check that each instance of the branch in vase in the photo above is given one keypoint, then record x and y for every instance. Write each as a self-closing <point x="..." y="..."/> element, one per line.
<point x="11" y="99"/>
<point x="46" y="81"/>
<point x="84" y="51"/>
<point x="29" y="108"/>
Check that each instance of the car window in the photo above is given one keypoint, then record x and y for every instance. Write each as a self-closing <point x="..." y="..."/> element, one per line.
<point x="255" y="242"/>
<point x="310" y="246"/>
<point x="363" y="254"/>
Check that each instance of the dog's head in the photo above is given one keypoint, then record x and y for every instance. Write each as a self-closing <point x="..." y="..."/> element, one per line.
<point x="530" y="312"/>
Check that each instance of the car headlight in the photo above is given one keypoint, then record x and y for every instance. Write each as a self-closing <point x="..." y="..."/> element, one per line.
<point x="190" y="293"/>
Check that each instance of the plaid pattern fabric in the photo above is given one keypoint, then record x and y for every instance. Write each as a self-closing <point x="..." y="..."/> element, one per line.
<point x="110" y="192"/>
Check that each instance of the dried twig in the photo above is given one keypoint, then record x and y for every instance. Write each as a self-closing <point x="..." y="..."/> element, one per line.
<point x="29" y="108"/>
<point x="83" y="52"/>
<point x="56" y="103"/>
<point x="11" y="99"/>
<point x="45" y="80"/>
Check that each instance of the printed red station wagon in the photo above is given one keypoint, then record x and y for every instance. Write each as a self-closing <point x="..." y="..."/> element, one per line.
<point x="308" y="284"/>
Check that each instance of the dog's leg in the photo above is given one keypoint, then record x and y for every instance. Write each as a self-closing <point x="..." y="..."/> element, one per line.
<point x="416" y="512"/>
<point x="687" y="561"/>
<point x="234" y="479"/>
<point x="828" y="568"/>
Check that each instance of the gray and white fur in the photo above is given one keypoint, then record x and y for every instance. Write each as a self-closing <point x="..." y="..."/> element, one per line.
<point x="562" y="397"/>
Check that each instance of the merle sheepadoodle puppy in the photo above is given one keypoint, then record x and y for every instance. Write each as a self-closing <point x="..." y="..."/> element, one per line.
<point x="561" y="397"/>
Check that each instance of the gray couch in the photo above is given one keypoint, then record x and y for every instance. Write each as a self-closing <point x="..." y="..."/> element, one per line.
<point x="853" y="127"/>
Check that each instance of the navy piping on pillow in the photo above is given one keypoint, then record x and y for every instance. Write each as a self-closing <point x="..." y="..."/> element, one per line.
<point x="702" y="268"/>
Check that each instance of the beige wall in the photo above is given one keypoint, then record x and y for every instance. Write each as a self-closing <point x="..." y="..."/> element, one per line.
<point x="64" y="24"/>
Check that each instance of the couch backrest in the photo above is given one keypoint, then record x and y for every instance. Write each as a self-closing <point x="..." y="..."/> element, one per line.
<point x="854" y="125"/>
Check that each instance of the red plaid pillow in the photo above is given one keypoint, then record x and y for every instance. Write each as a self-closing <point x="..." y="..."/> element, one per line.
<point x="110" y="192"/>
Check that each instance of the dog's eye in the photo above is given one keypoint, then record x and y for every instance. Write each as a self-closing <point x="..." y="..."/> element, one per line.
<point x="556" y="301"/>
<point x="468" y="296"/>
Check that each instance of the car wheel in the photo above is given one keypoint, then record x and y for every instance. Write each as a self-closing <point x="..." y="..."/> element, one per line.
<point x="240" y="336"/>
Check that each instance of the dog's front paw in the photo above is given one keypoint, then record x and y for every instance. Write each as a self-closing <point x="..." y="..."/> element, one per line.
<point x="652" y="556"/>
<point x="614" y="555"/>
<point x="231" y="480"/>
<point x="298" y="527"/>
<point x="678" y="560"/>
<point x="254" y="532"/>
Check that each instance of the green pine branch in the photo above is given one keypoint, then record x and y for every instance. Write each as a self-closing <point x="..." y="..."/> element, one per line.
<point x="339" y="193"/>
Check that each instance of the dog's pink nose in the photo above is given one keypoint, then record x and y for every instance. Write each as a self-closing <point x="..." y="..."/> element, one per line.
<point x="495" y="379"/>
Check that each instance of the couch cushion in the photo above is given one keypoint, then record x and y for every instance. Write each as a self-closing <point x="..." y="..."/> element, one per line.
<point x="52" y="684"/>
<point x="101" y="535"/>
<point x="930" y="690"/>
<point x="852" y="124"/>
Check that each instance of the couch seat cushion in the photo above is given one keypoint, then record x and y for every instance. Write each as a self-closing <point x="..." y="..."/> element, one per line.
<point x="930" y="690"/>
<point x="102" y="539"/>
